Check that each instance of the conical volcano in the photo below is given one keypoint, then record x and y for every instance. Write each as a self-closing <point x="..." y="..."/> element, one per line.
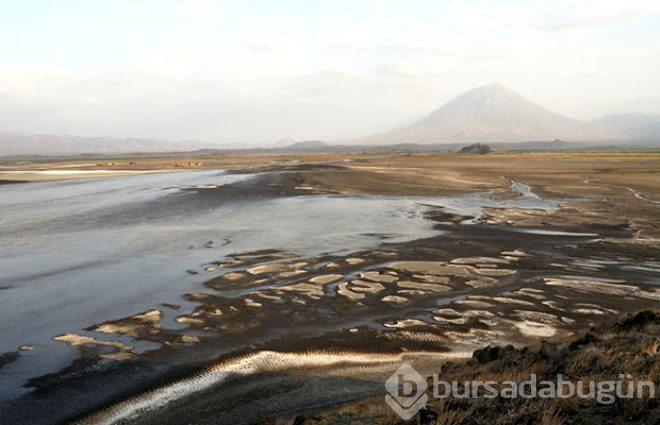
<point x="491" y="113"/>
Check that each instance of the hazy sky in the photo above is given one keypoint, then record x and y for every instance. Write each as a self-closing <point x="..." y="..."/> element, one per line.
<point x="257" y="71"/>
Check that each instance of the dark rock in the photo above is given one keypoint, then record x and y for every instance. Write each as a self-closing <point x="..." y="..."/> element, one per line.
<point x="589" y="338"/>
<point x="548" y="350"/>
<point x="427" y="416"/>
<point x="639" y="320"/>
<point x="487" y="355"/>
<point x="476" y="148"/>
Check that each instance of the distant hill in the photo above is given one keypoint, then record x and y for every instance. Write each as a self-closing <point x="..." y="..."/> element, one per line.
<point x="282" y="143"/>
<point x="26" y="144"/>
<point x="307" y="145"/>
<point x="637" y="126"/>
<point x="492" y="114"/>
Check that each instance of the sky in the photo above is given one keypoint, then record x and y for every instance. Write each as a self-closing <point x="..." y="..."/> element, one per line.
<point x="255" y="71"/>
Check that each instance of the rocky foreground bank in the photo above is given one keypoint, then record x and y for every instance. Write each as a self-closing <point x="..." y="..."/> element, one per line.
<point x="630" y="345"/>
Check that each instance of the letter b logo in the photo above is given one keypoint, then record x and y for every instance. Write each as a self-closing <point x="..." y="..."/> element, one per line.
<point x="405" y="391"/>
<point x="407" y="387"/>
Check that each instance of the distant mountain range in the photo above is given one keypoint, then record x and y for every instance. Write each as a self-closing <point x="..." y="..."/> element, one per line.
<point x="488" y="114"/>
<point x="493" y="114"/>
<point x="26" y="144"/>
<point x="637" y="126"/>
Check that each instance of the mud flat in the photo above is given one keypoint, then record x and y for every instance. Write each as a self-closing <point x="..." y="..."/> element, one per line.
<point x="479" y="254"/>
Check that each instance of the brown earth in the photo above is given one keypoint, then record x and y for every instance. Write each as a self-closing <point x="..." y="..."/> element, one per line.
<point x="506" y="278"/>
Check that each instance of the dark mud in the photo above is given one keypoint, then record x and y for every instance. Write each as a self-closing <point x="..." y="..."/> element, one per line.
<point x="268" y="323"/>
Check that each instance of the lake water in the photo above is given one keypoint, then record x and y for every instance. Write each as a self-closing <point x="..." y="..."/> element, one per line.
<point x="79" y="252"/>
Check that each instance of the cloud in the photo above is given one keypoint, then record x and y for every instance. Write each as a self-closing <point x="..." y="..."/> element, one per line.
<point x="258" y="78"/>
<point x="386" y="48"/>
<point x="203" y="8"/>
<point x="141" y="9"/>
<point x="584" y="13"/>
<point x="274" y="44"/>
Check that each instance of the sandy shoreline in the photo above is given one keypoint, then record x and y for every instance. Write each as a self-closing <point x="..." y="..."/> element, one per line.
<point x="26" y="176"/>
<point x="551" y="174"/>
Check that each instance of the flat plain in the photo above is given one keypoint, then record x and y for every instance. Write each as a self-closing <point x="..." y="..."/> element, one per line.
<point x="506" y="248"/>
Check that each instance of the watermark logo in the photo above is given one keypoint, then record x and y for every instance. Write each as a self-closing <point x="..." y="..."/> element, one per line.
<point x="406" y="392"/>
